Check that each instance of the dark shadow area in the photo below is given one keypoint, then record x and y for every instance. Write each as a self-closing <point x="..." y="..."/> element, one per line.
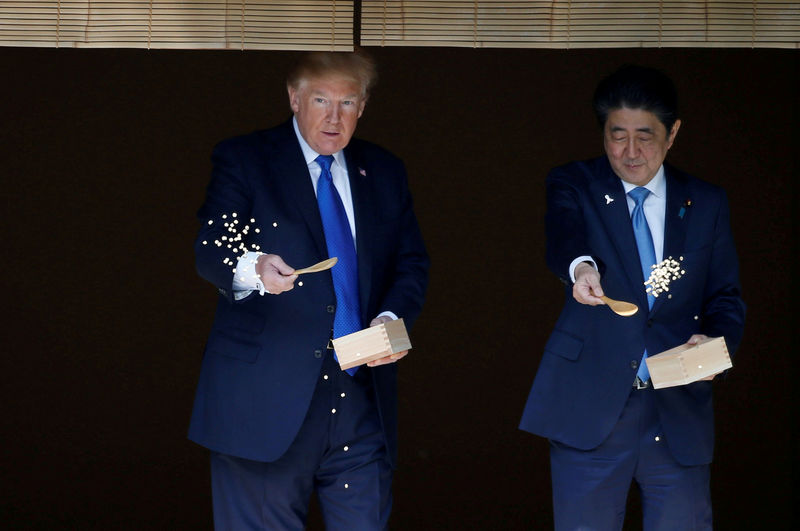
<point x="105" y="158"/>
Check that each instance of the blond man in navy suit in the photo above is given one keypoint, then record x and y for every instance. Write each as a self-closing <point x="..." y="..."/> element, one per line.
<point x="279" y="416"/>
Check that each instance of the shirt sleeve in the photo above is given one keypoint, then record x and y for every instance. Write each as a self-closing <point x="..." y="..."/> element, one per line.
<point x="577" y="261"/>
<point x="245" y="279"/>
<point x="388" y="314"/>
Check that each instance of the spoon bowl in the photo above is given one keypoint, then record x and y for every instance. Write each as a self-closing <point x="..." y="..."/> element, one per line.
<point x="625" y="309"/>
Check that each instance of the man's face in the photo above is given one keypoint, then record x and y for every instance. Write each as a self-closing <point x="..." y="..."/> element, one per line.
<point x="636" y="143"/>
<point x="327" y="110"/>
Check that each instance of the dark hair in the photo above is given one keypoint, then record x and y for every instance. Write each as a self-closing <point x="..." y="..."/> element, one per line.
<point x="637" y="87"/>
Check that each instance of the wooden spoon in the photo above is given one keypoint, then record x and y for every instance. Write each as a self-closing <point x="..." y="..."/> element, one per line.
<point x="625" y="309"/>
<point x="321" y="266"/>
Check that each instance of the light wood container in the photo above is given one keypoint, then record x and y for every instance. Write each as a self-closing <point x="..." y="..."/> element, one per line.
<point x="688" y="363"/>
<point x="371" y="343"/>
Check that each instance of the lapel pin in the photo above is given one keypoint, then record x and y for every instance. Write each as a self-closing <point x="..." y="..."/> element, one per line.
<point x="609" y="199"/>
<point x="363" y="172"/>
<point x="686" y="204"/>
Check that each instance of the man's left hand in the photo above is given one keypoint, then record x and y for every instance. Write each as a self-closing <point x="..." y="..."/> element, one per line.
<point x="696" y="338"/>
<point x="392" y="358"/>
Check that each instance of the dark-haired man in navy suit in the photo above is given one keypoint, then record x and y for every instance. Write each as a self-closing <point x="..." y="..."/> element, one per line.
<point x="608" y="221"/>
<point x="279" y="416"/>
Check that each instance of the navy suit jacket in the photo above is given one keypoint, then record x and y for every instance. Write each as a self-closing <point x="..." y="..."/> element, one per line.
<point x="264" y="354"/>
<point x="591" y="358"/>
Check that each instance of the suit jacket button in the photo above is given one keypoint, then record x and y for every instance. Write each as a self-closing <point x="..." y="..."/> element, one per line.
<point x="331" y="308"/>
<point x="634" y="364"/>
<point x="649" y="322"/>
<point x="318" y="354"/>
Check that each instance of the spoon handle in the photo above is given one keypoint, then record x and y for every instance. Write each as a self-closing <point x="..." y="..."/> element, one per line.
<point x="320" y="266"/>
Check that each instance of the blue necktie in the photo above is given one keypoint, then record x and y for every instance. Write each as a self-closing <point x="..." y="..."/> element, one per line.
<point x="340" y="244"/>
<point x="647" y="254"/>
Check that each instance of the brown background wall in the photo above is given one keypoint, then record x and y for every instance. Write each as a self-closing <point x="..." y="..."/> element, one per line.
<point x="104" y="157"/>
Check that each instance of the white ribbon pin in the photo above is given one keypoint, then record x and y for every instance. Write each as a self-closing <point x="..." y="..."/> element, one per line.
<point x="609" y="199"/>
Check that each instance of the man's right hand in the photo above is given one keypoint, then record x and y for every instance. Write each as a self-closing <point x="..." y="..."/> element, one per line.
<point x="587" y="289"/>
<point x="274" y="274"/>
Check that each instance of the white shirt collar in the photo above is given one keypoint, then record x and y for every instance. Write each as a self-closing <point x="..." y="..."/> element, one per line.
<point x="657" y="185"/>
<point x="309" y="154"/>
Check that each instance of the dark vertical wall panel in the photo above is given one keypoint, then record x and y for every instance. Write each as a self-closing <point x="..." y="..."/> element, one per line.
<point x="104" y="156"/>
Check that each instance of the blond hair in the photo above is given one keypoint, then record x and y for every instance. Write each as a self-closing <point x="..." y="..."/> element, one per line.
<point x="356" y="66"/>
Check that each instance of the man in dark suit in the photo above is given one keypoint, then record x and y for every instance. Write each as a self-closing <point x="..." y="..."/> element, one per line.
<point x="608" y="220"/>
<point x="279" y="416"/>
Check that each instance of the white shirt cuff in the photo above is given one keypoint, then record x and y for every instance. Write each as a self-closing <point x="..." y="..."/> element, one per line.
<point x="245" y="279"/>
<point x="577" y="261"/>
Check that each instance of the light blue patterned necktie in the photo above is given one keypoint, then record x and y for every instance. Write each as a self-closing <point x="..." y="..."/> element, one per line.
<point x="340" y="244"/>
<point x="647" y="254"/>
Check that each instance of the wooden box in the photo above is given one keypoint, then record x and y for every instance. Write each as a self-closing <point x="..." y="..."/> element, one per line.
<point x="371" y="343"/>
<point x="686" y="364"/>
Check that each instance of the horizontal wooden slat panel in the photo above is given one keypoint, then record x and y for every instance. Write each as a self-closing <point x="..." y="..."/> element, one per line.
<point x="588" y="23"/>
<point x="214" y="24"/>
<point x="310" y="24"/>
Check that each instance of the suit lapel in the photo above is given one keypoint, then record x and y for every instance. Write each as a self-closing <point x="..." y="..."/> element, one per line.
<point x="675" y="219"/>
<point x="360" y="191"/>
<point x="289" y="165"/>
<point x="617" y="221"/>
<point x="293" y="178"/>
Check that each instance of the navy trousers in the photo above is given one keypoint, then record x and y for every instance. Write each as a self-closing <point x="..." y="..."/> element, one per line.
<point x="339" y="452"/>
<point x="590" y="487"/>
